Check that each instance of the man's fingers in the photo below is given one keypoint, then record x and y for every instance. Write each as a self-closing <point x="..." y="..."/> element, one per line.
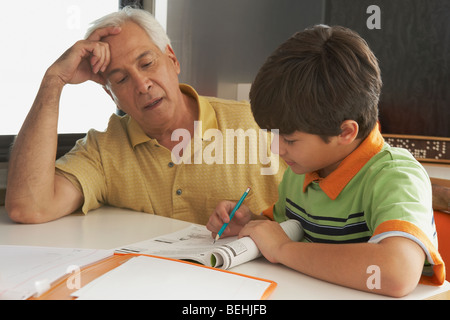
<point x="100" y="56"/>
<point x="107" y="60"/>
<point x="100" y="33"/>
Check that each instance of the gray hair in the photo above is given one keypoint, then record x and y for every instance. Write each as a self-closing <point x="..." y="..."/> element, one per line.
<point x="141" y="17"/>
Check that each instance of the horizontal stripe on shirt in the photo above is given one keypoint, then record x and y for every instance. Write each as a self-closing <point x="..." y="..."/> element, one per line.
<point x="320" y="232"/>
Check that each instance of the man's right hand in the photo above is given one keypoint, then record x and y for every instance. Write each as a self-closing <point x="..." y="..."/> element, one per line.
<point x="85" y="59"/>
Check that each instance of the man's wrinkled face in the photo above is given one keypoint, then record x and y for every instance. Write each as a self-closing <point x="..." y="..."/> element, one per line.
<point x="142" y="80"/>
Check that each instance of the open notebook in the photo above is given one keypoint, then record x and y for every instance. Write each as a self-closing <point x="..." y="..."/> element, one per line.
<point x="195" y="243"/>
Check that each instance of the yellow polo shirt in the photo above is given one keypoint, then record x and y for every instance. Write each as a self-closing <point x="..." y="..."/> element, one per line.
<point x="123" y="167"/>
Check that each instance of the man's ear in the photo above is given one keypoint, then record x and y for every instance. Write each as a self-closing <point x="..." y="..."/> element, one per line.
<point x="108" y="92"/>
<point x="110" y="95"/>
<point x="349" y="131"/>
<point x="171" y="54"/>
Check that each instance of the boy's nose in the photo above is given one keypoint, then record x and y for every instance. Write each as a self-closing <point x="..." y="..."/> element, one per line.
<point x="275" y="145"/>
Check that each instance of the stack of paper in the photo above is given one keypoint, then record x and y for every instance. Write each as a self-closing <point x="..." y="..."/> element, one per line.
<point x="26" y="270"/>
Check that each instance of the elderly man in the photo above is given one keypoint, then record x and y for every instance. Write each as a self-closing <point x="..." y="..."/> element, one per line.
<point x="133" y="164"/>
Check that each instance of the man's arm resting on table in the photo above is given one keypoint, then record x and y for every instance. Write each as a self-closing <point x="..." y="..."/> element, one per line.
<point x="65" y="200"/>
<point x="399" y="260"/>
<point x="34" y="193"/>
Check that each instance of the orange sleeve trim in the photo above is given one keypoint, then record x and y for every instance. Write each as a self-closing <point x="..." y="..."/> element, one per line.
<point x="269" y="212"/>
<point x="411" y="231"/>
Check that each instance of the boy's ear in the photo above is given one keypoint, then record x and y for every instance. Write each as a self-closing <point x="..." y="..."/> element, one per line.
<point x="349" y="131"/>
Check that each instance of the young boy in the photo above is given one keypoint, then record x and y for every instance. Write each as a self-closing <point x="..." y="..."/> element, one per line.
<point x="365" y="207"/>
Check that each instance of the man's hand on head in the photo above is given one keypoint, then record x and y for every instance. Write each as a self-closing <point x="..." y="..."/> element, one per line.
<point x="85" y="60"/>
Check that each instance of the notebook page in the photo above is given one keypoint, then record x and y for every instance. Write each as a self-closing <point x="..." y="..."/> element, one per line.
<point x="146" y="277"/>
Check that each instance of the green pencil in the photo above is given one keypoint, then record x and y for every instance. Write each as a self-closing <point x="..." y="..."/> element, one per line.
<point x="232" y="214"/>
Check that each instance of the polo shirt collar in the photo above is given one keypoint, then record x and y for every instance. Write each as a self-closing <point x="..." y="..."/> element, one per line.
<point x="135" y="132"/>
<point x="207" y="116"/>
<point x="336" y="181"/>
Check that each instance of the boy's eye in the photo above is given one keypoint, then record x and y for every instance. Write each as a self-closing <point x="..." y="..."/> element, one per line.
<point x="288" y="142"/>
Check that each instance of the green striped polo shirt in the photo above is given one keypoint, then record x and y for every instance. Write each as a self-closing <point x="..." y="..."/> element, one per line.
<point x="376" y="192"/>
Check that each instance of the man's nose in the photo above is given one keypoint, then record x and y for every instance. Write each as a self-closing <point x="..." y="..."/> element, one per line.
<point x="143" y="83"/>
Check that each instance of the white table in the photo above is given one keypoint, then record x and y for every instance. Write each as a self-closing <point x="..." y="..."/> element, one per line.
<point x="109" y="228"/>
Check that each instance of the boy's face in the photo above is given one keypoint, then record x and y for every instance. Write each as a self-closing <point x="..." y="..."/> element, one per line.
<point x="305" y="153"/>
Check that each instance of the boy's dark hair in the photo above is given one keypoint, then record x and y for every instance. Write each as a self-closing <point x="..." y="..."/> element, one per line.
<point x="315" y="80"/>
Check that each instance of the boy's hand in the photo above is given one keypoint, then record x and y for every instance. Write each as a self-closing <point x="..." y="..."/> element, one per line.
<point x="268" y="236"/>
<point x="221" y="215"/>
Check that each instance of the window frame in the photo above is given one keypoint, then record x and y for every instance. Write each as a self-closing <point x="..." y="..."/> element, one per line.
<point x="66" y="141"/>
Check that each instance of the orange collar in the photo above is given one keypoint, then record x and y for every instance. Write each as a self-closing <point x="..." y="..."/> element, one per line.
<point x="336" y="181"/>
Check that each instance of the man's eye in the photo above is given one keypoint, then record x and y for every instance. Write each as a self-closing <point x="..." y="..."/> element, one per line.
<point x="121" y="80"/>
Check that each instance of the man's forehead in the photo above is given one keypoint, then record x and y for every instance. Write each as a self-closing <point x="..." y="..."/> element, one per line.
<point x="137" y="57"/>
<point x="130" y="32"/>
